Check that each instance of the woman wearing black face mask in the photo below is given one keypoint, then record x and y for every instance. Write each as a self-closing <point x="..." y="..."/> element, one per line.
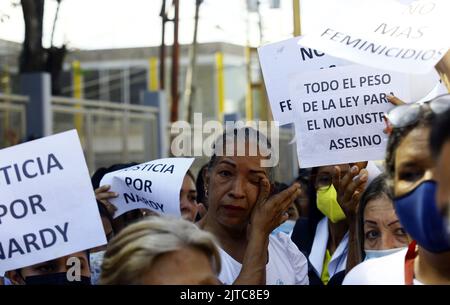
<point x="72" y="269"/>
<point x="411" y="170"/>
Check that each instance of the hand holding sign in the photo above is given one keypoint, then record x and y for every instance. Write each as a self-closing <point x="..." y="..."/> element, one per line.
<point x="153" y="185"/>
<point x="349" y="189"/>
<point x="42" y="216"/>
<point x="103" y="195"/>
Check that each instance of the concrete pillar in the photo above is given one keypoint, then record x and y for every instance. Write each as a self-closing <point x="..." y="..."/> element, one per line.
<point x="158" y="99"/>
<point x="39" y="118"/>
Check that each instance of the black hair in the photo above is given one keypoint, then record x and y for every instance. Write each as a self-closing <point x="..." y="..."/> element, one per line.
<point x="104" y="213"/>
<point x="304" y="175"/>
<point x="398" y="134"/>
<point x="305" y="229"/>
<point x="376" y="189"/>
<point x="303" y="180"/>
<point x="314" y="214"/>
<point x="191" y="175"/>
<point x="200" y="186"/>
<point x="440" y="133"/>
<point x="99" y="173"/>
<point x="87" y="251"/>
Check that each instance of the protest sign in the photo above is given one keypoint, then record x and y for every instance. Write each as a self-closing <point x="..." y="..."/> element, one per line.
<point x="153" y="185"/>
<point x="281" y="59"/>
<point x="340" y="113"/>
<point x="47" y="208"/>
<point x="403" y="36"/>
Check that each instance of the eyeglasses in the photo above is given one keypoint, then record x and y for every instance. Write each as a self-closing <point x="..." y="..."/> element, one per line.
<point x="325" y="179"/>
<point x="406" y="115"/>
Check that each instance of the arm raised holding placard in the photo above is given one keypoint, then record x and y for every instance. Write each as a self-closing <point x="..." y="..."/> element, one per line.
<point x="103" y="194"/>
<point x="349" y="189"/>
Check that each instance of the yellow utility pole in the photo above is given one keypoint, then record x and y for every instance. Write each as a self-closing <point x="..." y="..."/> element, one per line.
<point x="220" y="85"/>
<point x="153" y="74"/>
<point x="77" y="81"/>
<point x="297" y="24"/>
<point x="249" y="95"/>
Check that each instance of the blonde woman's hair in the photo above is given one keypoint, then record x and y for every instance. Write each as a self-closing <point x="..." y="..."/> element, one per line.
<point x="132" y="252"/>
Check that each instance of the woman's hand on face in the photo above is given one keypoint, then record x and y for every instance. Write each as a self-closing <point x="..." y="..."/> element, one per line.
<point x="349" y="188"/>
<point x="271" y="211"/>
<point x="103" y="195"/>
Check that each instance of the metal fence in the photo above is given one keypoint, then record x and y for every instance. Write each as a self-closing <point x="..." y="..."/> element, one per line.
<point x="116" y="133"/>
<point x="12" y="119"/>
<point x="109" y="132"/>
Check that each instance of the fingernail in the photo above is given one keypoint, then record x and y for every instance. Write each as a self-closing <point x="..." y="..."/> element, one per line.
<point x="116" y="194"/>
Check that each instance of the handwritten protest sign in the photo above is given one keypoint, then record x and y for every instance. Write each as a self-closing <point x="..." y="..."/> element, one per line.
<point x="47" y="206"/>
<point x="340" y="113"/>
<point x="281" y="59"/>
<point x="153" y="185"/>
<point x="404" y="36"/>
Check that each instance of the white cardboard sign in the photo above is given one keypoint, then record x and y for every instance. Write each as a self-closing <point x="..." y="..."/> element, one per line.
<point x="47" y="207"/>
<point x="403" y="36"/>
<point x="281" y="59"/>
<point x="154" y="185"/>
<point x="340" y="113"/>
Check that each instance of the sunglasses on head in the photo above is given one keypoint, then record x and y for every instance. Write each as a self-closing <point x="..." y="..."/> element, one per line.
<point x="406" y="115"/>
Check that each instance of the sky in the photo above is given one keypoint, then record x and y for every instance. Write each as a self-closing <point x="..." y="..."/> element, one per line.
<point x="102" y="24"/>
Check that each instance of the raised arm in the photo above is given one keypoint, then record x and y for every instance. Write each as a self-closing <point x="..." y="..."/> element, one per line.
<point x="268" y="213"/>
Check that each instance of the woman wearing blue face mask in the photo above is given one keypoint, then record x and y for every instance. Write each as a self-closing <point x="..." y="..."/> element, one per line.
<point x="440" y="150"/>
<point x="379" y="232"/>
<point x="411" y="172"/>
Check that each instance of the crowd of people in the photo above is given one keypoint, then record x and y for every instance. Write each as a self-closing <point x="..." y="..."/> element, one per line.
<point x="336" y="224"/>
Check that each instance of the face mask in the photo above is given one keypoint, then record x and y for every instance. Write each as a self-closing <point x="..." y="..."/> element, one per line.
<point x="328" y="205"/>
<point x="285" y="227"/>
<point x="380" y="253"/>
<point x="420" y="217"/>
<point x="55" y="279"/>
<point x="96" y="260"/>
